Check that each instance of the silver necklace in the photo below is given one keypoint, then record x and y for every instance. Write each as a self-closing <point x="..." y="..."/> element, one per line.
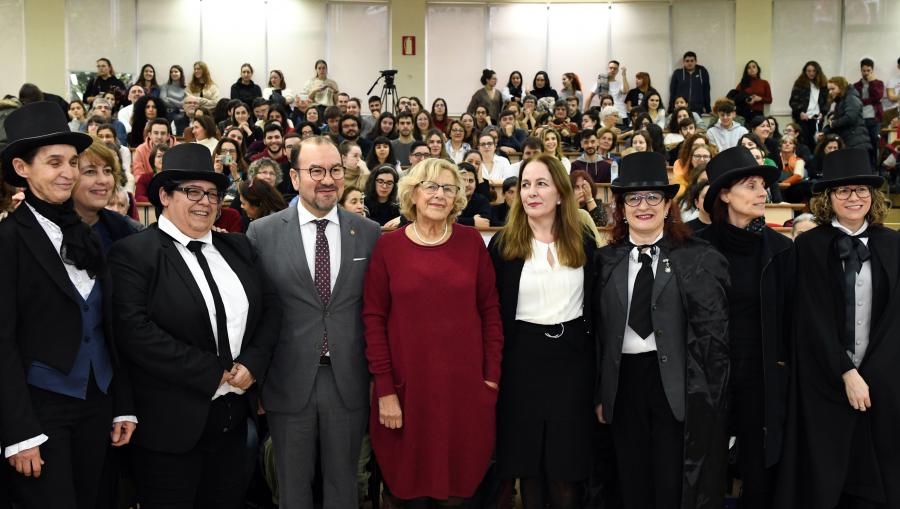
<point x="423" y="241"/>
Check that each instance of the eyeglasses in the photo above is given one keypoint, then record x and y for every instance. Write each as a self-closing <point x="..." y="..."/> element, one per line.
<point x="197" y="194"/>
<point x="318" y="173"/>
<point x="486" y="144"/>
<point x="420" y="155"/>
<point x="634" y="199"/>
<point x="701" y="157"/>
<point x="457" y="131"/>
<point x="384" y="183"/>
<point x="431" y="188"/>
<point x="843" y="193"/>
<point x="227" y="151"/>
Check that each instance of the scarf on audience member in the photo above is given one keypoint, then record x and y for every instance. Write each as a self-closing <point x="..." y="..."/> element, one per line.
<point x="81" y="246"/>
<point x="756" y="225"/>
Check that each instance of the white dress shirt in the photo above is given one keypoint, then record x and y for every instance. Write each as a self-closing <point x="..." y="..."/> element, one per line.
<point x="632" y="343"/>
<point x="332" y="235"/>
<point x="812" y="108"/>
<point x="84" y="284"/>
<point x="234" y="299"/>
<point x="549" y="294"/>
<point x="502" y="169"/>
<point x="863" y="294"/>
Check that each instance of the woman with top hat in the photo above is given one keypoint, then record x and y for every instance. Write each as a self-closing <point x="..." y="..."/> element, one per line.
<point x="63" y="393"/>
<point x="759" y="314"/>
<point x="196" y="323"/>
<point x="842" y="448"/>
<point x="662" y="318"/>
<point x="542" y="259"/>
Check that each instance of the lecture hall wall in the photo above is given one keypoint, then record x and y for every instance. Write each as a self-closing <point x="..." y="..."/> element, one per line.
<point x="43" y="40"/>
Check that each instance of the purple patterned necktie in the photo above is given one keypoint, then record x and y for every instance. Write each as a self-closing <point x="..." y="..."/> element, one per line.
<point x="323" y="271"/>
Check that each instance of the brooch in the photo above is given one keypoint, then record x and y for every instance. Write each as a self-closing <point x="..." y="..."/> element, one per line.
<point x="666" y="263"/>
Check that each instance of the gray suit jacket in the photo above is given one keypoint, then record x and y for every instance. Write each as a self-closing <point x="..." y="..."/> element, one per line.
<point x="669" y="325"/>
<point x="305" y="318"/>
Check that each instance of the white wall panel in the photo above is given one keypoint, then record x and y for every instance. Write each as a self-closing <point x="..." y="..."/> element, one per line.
<point x="296" y="41"/>
<point x="234" y="32"/>
<point x="100" y="28"/>
<point x="357" y="45"/>
<point x="872" y="29"/>
<point x="705" y="27"/>
<point x="518" y="41"/>
<point x="168" y="33"/>
<point x="578" y="42"/>
<point x="454" y="54"/>
<point x="12" y="46"/>
<point x="640" y="42"/>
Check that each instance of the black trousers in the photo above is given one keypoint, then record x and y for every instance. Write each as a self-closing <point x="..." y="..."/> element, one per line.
<point x="648" y="440"/>
<point x="747" y="414"/>
<point x="211" y="475"/>
<point x="808" y="133"/>
<point x="78" y="436"/>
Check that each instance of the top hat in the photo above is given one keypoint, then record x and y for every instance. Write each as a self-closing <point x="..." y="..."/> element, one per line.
<point x="188" y="161"/>
<point x="36" y="125"/>
<point x="846" y="166"/>
<point x="643" y="171"/>
<point x="731" y="165"/>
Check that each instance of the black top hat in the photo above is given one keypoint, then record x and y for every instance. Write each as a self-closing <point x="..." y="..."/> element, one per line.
<point x="188" y="161"/>
<point x="642" y="171"/>
<point x="846" y="166"/>
<point x="730" y="165"/>
<point x="36" y="125"/>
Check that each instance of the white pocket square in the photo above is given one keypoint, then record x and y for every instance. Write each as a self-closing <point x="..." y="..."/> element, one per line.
<point x="358" y="259"/>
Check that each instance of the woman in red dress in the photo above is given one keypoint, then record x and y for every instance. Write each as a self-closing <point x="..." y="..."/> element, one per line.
<point x="434" y="343"/>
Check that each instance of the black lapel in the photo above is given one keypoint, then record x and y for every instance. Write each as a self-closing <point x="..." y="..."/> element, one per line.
<point x="620" y="274"/>
<point x="663" y="273"/>
<point x="37" y="241"/>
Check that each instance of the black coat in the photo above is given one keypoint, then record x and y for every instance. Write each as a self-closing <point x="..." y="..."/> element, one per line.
<point x="246" y="93"/>
<point x="776" y="288"/>
<point x="40" y="320"/>
<point x="847" y="121"/>
<point x="477" y="204"/>
<point x="799" y="101"/>
<point x="831" y="447"/>
<point x="701" y="275"/>
<point x="167" y="339"/>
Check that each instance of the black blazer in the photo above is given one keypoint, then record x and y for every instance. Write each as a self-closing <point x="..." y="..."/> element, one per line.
<point x="167" y="339"/>
<point x="509" y="273"/>
<point x="40" y="320"/>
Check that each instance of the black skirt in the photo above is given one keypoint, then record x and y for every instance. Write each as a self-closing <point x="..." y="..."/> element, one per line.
<point x="545" y="410"/>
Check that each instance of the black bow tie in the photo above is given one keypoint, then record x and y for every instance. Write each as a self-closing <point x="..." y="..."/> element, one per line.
<point x="854" y="253"/>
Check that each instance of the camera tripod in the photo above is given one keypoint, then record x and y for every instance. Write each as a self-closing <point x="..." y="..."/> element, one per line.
<point x="389" y="97"/>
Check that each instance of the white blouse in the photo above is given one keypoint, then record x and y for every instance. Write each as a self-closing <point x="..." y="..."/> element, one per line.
<point x="549" y="295"/>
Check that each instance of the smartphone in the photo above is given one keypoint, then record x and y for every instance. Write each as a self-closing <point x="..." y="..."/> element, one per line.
<point x="225" y="158"/>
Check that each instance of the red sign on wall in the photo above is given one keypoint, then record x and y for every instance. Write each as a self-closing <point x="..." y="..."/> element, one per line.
<point x="409" y="45"/>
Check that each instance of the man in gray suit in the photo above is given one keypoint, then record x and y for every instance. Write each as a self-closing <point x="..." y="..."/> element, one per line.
<point x="317" y="388"/>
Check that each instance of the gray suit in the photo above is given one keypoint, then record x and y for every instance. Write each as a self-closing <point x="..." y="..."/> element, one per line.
<point x="310" y="406"/>
<point x="669" y="327"/>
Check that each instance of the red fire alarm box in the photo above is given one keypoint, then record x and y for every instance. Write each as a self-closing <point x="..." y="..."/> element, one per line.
<point x="409" y="45"/>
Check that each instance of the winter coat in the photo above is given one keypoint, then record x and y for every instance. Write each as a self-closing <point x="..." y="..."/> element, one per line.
<point x="246" y="93"/>
<point x="800" y="100"/>
<point x="847" y="121"/>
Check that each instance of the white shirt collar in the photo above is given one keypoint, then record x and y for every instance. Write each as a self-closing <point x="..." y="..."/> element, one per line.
<point x="307" y="217"/>
<point x="167" y="226"/>
<point x="839" y="226"/>
<point x="634" y="251"/>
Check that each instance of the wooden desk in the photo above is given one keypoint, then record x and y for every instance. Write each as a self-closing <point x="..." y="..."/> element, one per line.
<point x="146" y="212"/>
<point x="780" y="213"/>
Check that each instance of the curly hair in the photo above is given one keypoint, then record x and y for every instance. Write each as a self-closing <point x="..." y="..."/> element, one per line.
<point x="821" y="207"/>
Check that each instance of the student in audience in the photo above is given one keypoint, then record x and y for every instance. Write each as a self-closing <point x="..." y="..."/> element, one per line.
<point x="686" y="129"/>
<point x="147" y="79"/>
<point x="439" y="117"/>
<point x="482" y="186"/>
<point x="488" y="96"/>
<point x="530" y="148"/>
<point x="543" y="271"/>
<point x="752" y="92"/>
<point x="511" y="137"/>
<point x="385" y="126"/>
<point x="654" y="106"/>
<point x="793" y="129"/>
<point x="381" y="195"/>
<point x="107" y="135"/>
<point x="259" y="199"/>
<point x="692" y="83"/>
<point x="808" y="101"/>
<point x="320" y="88"/>
<point x="642" y="89"/>
<point x="695" y="152"/>
<point x="845" y="118"/>
<point x="189" y="107"/>
<point x="527" y="118"/>
<point x="350" y="131"/>
<point x="553" y="145"/>
<point x="440" y="455"/>
<point x="514" y="91"/>
<point x="356" y="172"/>
<point x="828" y="144"/>
<point x="477" y="212"/>
<point x="203" y="87"/>
<point x="434" y="139"/>
<point x="204" y="131"/>
<point x="124" y="114"/>
<point x="613" y="83"/>
<point x="103" y="108"/>
<point x="761" y="268"/>
<point x="691" y="202"/>
<point x="871" y="92"/>
<point x="494" y="167"/>
<point x="725" y="133"/>
<point x="610" y="119"/>
<point x="656" y="139"/>
<point x="640" y="142"/>
<point x="352" y="201"/>
<point x="193" y="400"/>
<point x="244" y="89"/>
<point x="173" y="91"/>
<point x="564" y="126"/>
<point x="471" y="135"/>
<point x="793" y="168"/>
<point x="277" y="90"/>
<point x="146" y="109"/>
<point x="585" y="192"/>
<point x="273" y="139"/>
<point x="104" y="81"/>
<point x="590" y="161"/>
<point x="843" y="416"/>
<point x="456" y="146"/>
<point x="571" y="87"/>
<point x="404" y="138"/>
<point x="382" y="153"/>
<point x="422" y="124"/>
<point x="63" y="398"/>
<point x="540" y="87"/>
<point x="759" y="125"/>
<point x="419" y="152"/>
<point x="154" y="159"/>
<point x="500" y="211"/>
<point x="241" y="119"/>
<point x="77" y="115"/>
<point x="664" y="361"/>
<point x="156" y="133"/>
<point x="482" y="119"/>
<point x="228" y="158"/>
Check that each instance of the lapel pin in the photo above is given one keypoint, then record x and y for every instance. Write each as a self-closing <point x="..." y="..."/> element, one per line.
<point x="352" y="232"/>
<point x="666" y="262"/>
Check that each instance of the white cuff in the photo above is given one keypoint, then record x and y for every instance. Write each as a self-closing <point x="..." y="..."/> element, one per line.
<point x="126" y="418"/>
<point x="14" y="449"/>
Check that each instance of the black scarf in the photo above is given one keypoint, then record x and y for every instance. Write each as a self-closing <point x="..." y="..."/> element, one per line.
<point x="853" y="253"/>
<point x="81" y="246"/>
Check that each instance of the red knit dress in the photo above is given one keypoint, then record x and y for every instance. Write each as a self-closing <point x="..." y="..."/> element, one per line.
<point x="433" y="336"/>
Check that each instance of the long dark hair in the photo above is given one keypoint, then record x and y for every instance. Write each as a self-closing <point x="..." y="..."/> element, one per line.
<point x="370" y="195"/>
<point x="514" y="90"/>
<point x="803" y="82"/>
<point x="372" y="160"/>
<point x="262" y="195"/>
<point x="546" y="81"/>
<point x="745" y="78"/>
<point x="376" y="129"/>
<point x="139" y="118"/>
<point x="142" y="82"/>
<point x="180" y="71"/>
